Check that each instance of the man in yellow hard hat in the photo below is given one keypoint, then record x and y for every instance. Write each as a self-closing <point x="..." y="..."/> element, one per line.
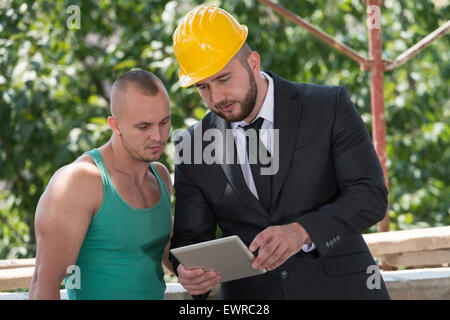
<point x="304" y="220"/>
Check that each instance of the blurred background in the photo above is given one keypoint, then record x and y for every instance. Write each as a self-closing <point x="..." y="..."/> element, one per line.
<point x="58" y="60"/>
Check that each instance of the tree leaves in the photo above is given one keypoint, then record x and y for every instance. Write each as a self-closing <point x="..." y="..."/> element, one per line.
<point x="55" y="82"/>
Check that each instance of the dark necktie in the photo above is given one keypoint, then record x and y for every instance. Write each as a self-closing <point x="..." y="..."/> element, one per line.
<point x="263" y="183"/>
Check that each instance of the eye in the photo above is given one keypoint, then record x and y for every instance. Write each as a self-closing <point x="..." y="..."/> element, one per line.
<point x="223" y="80"/>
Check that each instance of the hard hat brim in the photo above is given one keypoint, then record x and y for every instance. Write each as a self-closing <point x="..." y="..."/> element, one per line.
<point x="187" y="80"/>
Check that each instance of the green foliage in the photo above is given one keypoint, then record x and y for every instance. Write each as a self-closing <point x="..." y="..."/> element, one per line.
<point x="54" y="89"/>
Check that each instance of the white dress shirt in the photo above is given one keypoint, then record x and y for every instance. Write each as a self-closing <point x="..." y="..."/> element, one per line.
<point x="266" y="136"/>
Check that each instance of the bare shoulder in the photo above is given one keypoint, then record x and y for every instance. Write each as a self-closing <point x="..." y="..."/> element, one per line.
<point x="76" y="176"/>
<point x="74" y="187"/>
<point x="63" y="215"/>
<point x="165" y="175"/>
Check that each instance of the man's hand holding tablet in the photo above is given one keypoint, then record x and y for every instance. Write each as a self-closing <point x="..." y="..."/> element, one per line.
<point x="197" y="281"/>
<point x="204" y="265"/>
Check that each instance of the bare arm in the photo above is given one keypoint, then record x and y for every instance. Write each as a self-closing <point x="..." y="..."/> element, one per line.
<point x="63" y="215"/>
<point x="164" y="173"/>
<point x="166" y="261"/>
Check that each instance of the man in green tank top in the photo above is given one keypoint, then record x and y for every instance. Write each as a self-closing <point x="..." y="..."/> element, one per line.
<point x="104" y="222"/>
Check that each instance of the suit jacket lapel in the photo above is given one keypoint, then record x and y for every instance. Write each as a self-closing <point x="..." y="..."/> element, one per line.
<point x="233" y="173"/>
<point x="287" y="116"/>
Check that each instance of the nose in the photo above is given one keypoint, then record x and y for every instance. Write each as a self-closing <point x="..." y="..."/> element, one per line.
<point x="215" y="94"/>
<point x="155" y="133"/>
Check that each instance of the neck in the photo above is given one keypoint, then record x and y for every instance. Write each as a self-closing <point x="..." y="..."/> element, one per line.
<point x="120" y="159"/>
<point x="262" y="86"/>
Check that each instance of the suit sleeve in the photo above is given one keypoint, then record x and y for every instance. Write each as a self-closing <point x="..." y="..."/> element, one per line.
<point x="362" y="200"/>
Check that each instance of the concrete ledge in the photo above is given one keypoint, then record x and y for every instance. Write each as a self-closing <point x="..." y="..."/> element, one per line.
<point x="175" y="291"/>
<point x="15" y="278"/>
<point x="17" y="263"/>
<point x="420" y="248"/>
<point x="394" y="242"/>
<point x="417" y="284"/>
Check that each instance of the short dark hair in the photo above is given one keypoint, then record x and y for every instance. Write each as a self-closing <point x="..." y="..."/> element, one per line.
<point x="243" y="53"/>
<point x="146" y="82"/>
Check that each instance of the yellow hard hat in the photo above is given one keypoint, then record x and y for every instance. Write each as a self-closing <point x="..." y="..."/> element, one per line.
<point x="205" y="41"/>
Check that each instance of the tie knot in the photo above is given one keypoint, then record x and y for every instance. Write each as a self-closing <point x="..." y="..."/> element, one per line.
<point x="254" y="125"/>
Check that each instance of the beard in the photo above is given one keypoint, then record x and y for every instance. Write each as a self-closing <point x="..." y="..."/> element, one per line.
<point x="247" y="105"/>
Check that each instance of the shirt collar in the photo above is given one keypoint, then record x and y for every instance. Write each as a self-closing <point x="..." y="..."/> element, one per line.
<point x="267" y="108"/>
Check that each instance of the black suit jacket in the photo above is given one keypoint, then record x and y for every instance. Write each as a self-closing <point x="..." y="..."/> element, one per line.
<point x="329" y="180"/>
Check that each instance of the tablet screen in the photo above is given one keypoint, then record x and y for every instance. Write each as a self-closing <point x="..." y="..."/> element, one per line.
<point x="228" y="256"/>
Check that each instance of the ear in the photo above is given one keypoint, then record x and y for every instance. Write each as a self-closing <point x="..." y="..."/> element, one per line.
<point x="254" y="61"/>
<point x="114" y="125"/>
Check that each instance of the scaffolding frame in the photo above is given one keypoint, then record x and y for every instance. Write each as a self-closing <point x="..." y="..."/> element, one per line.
<point x="375" y="64"/>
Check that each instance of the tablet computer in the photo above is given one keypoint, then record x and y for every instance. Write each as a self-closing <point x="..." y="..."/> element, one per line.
<point x="228" y="256"/>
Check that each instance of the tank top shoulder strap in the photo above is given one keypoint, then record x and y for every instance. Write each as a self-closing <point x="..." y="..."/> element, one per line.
<point x="98" y="160"/>
<point x="162" y="185"/>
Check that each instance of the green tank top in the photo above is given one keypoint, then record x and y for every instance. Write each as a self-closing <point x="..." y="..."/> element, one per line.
<point x="120" y="257"/>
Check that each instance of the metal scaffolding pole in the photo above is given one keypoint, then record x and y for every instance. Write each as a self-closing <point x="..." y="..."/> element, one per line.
<point x="377" y="93"/>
